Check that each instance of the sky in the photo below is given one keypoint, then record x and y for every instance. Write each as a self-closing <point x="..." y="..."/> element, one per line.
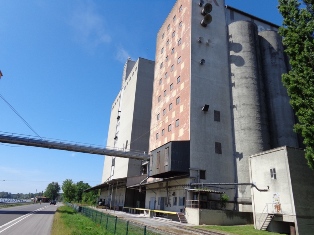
<point x="62" y="65"/>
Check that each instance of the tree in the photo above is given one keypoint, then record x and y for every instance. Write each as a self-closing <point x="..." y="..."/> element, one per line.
<point x="52" y="190"/>
<point x="298" y="32"/>
<point x="80" y="188"/>
<point x="69" y="190"/>
<point x="90" y="197"/>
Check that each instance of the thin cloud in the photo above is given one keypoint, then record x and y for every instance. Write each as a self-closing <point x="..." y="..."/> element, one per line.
<point x="89" y="26"/>
<point x="122" y="55"/>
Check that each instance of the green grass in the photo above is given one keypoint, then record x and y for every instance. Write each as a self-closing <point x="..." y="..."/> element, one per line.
<point x="236" y="230"/>
<point x="68" y="222"/>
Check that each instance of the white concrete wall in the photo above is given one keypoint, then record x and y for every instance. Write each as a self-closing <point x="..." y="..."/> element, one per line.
<point x="210" y="85"/>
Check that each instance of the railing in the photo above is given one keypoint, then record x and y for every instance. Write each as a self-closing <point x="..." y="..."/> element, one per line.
<point x="270" y="208"/>
<point x="113" y="224"/>
<point x="211" y="205"/>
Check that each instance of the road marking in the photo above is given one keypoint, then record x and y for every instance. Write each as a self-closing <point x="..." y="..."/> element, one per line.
<point x="19" y="219"/>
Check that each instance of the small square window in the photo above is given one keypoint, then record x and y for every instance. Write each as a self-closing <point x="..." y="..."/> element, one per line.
<point x="162" y="36"/>
<point x="202" y="174"/>
<point x="172" y="68"/>
<point x="169" y="128"/>
<point x="161" y="64"/>
<point x="168" y="27"/>
<point x="167" y="43"/>
<point x="172" y="50"/>
<point x="170" y="106"/>
<point x="166" y="75"/>
<point x="178" y="79"/>
<point x="178" y="100"/>
<point x="180" y="8"/>
<point x="218" y="149"/>
<point x="179" y="42"/>
<point x="173" y="33"/>
<point x="171" y="86"/>
<point x="177" y="122"/>
<point x="180" y="24"/>
<point x="174" y="18"/>
<point x="179" y="60"/>
<point x="165" y="92"/>
<point x="157" y="136"/>
<point x="158" y="116"/>
<point x="216" y="116"/>
<point x="273" y="173"/>
<point x="159" y="98"/>
<point x="163" y="132"/>
<point x="164" y="112"/>
<point x="162" y="50"/>
<point x="166" y="58"/>
<point x="160" y="81"/>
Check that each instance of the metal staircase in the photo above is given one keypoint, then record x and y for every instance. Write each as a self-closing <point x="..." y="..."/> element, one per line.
<point x="267" y="221"/>
<point x="182" y="218"/>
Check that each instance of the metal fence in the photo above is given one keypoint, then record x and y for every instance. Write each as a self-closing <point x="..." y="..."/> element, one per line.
<point x="113" y="224"/>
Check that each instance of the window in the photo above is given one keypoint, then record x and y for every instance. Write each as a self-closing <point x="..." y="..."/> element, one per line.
<point x="273" y="173"/>
<point x="178" y="100"/>
<point x="159" y="98"/>
<point x="216" y="116"/>
<point x="218" y="148"/>
<point x="171" y="86"/>
<point x="181" y="8"/>
<point x="162" y="132"/>
<point x="167" y="43"/>
<point x="178" y="79"/>
<point x="158" y="116"/>
<point x="162" y="50"/>
<point x="174" y="18"/>
<point x="177" y="122"/>
<point x="179" y="60"/>
<point x="181" y="201"/>
<point x="161" y="64"/>
<point x="180" y="24"/>
<point x="163" y="111"/>
<point x="160" y="81"/>
<point x="175" y="201"/>
<point x="202" y="174"/>
<point x="162" y="36"/>
<point x="168" y="27"/>
<point x="169" y="127"/>
<point x="167" y="153"/>
<point x="172" y="50"/>
<point x="173" y="33"/>
<point x="166" y="58"/>
<point x="166" y="75"/>
<point x="165" y="92"/>
<point x="170" y="106"/>
<point x="158" y="159"/>
<point x="157" y="136"/>
<point x="172" y="68"/>
<point x="179" y="42"/>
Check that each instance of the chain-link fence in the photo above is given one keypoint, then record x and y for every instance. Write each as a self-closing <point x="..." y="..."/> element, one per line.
<point x="113" y="224"/>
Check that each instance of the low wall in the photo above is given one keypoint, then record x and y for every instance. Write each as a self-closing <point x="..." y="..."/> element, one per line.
<point x="217" y="217"/>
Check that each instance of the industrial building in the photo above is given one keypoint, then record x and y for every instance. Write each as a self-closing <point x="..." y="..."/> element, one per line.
<point x="208" y="108"/>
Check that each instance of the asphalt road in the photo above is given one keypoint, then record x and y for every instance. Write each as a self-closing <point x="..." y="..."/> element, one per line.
<point x="33" y="219"/>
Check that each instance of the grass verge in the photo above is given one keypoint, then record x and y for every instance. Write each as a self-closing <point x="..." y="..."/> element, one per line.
<point x="67" y="222"/>
<point x="236" y="230"/>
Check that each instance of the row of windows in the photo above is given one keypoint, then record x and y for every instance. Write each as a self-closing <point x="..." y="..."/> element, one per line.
<point x="170" y="107"/>
<point x="177" y="123"/>
<point x="171" y="85"/>
<point x="172" y="50"/>
<point x="173" y="19"/>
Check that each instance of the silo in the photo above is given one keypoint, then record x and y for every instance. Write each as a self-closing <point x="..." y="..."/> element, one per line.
<point x="280" y="113"/>
<point x="249" y="110"/>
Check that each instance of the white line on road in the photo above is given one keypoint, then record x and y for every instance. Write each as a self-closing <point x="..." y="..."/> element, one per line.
<point x="19" y="219"/>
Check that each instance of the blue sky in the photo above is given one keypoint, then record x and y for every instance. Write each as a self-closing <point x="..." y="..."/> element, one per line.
<point x="62" y="65"/>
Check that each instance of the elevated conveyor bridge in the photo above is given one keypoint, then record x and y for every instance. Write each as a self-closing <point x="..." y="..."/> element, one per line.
<point x="73" y="147"/>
